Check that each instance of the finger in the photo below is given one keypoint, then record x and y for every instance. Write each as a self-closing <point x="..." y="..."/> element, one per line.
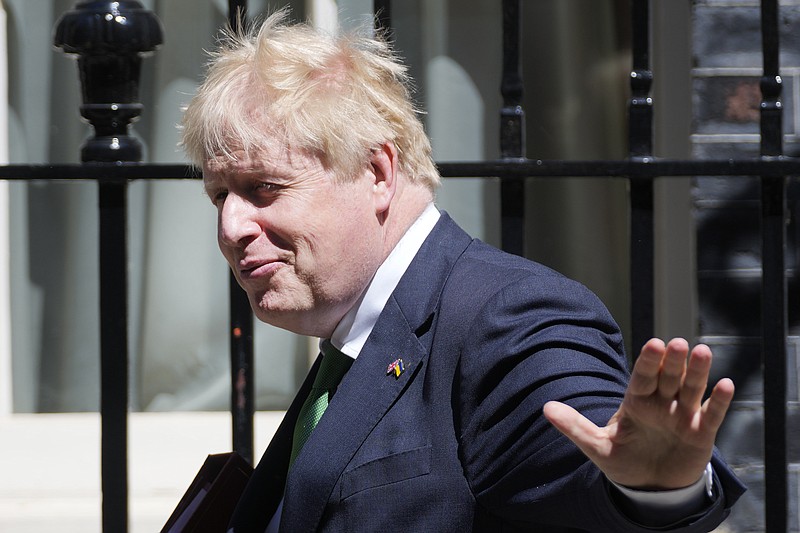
<point x="673" y="368"/>
<point x="644" y="377"/>
<point x="696" y="379"/>
<point x="716" y="406"/>
<point x="580" y="430"/>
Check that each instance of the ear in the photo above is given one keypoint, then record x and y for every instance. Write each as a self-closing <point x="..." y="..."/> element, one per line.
<point x="383" y="162"/>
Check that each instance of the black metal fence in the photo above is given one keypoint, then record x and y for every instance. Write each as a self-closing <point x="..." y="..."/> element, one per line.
<point x="104" y="163"/>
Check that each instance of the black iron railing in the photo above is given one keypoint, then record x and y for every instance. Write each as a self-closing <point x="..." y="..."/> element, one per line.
<point x="241" y="329"/>
<point x="513" y="169"/>
<point x="774" y="308"/>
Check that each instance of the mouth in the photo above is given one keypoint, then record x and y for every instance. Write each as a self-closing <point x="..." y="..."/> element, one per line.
<point x="258" y="269"/>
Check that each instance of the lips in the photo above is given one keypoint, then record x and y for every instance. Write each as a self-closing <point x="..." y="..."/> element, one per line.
<point x="257" y="269"/>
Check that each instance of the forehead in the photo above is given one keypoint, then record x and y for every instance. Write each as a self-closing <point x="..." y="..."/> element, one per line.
<point x="276" y="161"/>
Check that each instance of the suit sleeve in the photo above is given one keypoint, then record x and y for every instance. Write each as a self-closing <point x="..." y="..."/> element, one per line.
<point x="537" y="339"/>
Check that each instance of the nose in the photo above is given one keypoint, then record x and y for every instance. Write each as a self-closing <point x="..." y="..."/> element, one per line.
<point x="237" y="222"/>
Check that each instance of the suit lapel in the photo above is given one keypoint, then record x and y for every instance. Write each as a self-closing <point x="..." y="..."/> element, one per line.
<point x="265" y="489"/>
<point x="367" y="392"/>
<point x="363" y="397"/>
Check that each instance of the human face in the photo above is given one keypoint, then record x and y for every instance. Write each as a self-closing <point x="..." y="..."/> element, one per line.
<point x="302" y="244"/>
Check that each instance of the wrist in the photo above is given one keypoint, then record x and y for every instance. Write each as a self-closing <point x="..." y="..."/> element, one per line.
<point x="660" y="507"/>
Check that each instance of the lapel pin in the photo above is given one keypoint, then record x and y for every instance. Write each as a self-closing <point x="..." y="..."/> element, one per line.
<point x="396" y="368"/>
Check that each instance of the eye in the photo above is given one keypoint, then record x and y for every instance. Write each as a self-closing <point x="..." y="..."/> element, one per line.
<point x="217" y="197"/>
<point x="267" y="187"/>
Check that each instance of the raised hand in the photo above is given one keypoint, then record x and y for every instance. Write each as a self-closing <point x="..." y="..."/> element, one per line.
<point x="662" y="436"/>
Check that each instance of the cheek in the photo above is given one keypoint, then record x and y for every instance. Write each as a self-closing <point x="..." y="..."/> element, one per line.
<point x="338" y="231"/>
<point x="230" y="259"/>
<point x="360" y="235"/>
<point x="333" y="243"/>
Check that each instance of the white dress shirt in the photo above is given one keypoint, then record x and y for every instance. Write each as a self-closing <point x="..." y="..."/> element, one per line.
<point x="352" y="331"/>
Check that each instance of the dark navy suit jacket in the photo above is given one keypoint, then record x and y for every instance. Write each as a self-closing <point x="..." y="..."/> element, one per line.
<point x="458" y="441"/>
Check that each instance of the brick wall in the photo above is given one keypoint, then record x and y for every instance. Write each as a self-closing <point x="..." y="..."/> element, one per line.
<point x="726" y="74"/>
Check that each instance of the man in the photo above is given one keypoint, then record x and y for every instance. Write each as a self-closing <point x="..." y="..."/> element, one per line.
<point x="462" y="360"/>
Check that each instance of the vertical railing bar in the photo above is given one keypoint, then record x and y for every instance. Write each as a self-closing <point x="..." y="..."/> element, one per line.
<point x="241" y="329"/>
<point x="641" y="190"/>
<point x="512" y="131"/>
<point x="383" y="14"/>
<point x="105" y="54"/>
<point x="237" y="12"/>
<point x="242" y="370"/>
<point x="112" y="201"/>
<point x="773" y="289"/>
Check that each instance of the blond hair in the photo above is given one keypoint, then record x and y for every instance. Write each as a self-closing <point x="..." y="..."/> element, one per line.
<point x="335" y="96"/>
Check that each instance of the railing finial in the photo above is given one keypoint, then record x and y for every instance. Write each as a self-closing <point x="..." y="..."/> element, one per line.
<point x="109" y="39"/>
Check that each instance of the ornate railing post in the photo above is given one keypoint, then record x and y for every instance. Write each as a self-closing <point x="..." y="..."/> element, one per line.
<point x="109" y="39"/>
<point x="241" y="328"/>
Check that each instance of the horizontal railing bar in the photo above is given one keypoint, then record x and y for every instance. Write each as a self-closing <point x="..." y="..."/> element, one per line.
<point x="517" y="168"/>
<point x="99" y="171"/>
<point x="646" y="169"/>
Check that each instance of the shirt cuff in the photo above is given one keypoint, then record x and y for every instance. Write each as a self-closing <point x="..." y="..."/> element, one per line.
<point x="655" y="508"/>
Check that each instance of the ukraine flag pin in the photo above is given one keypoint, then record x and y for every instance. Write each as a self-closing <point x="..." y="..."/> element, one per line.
<point x="396" y="368"/>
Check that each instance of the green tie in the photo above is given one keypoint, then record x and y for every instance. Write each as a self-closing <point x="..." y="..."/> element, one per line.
<point x="331" y="370"/>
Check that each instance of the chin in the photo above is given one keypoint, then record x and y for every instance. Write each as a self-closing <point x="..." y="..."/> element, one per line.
<point x="289" y="319"/>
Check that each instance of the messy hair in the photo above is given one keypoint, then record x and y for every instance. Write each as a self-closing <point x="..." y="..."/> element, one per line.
<point x="335" y="96"/>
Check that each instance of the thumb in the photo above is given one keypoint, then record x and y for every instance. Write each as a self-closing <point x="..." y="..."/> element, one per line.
<point x="580" y="430"/>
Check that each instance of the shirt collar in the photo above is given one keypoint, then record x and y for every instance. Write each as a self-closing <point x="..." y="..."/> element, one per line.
<point x="352" y="331"/>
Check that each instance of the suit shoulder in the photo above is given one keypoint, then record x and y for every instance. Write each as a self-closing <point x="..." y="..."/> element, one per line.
<point x="487" y="278"/>
<point x="486" y="265"/>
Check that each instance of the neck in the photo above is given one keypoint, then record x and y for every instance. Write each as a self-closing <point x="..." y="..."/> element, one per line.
<point x="408" y="204"/>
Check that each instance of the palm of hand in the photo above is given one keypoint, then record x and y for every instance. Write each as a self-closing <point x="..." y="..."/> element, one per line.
<point x="663" y="434"/>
